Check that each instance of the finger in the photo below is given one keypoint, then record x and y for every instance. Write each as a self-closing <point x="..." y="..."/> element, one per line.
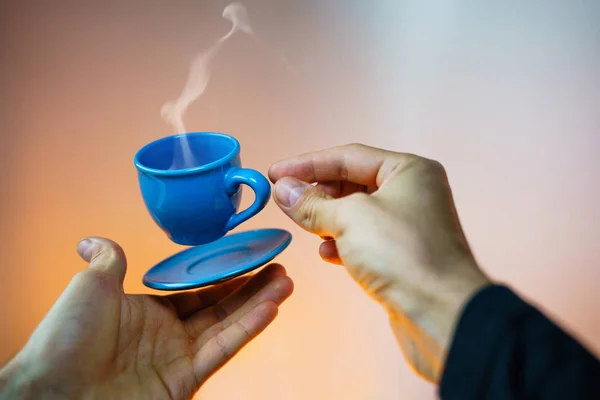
<point x="89" y="304"/>
<point x="188" y="303"/>
<point x="277" y="291"/>
<point x="104" y="255"/>
<point x="308" y="206"/>
<point x="223" y="346"/>
<point x="339" y="189"/>
<point x="236" y="299"/>
<point x="356" y="163"/>
<point x="227" y="305"/>
<point x="329" y="253"/>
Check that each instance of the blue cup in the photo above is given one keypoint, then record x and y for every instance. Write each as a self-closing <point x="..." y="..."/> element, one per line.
<point x="199" y="204"/>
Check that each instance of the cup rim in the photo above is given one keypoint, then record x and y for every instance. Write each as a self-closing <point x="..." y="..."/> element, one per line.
<point x="186" y="171"/>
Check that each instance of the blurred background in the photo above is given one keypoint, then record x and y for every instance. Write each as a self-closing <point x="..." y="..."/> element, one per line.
<point x="505" y="93"/>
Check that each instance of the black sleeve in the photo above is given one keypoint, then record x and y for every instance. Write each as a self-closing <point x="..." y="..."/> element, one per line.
<point x="504" y="348"/>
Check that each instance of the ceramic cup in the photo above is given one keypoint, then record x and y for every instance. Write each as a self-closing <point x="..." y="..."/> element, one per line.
<point x="198" y="205"/>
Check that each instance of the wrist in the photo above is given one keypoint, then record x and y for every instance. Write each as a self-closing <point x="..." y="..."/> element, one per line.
<point x="17" y="381"/>
<point x="14" y="383"/>
<point x="434" y="307"/>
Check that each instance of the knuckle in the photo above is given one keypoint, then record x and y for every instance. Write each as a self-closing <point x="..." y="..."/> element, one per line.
<point x="432" y="176"/>
<point x="355" y="146"/>
<point x="308" y="212"/>
<point x="244" y="331"/>
<point x="432" y="165"/>
<point x="219" y="312"/>
<point x="437" y="166"/>
<point x="221" y="342"/>
<point x="109" y="254"/>
<point x="430" y="168"/>
<point x="104" y="255"/>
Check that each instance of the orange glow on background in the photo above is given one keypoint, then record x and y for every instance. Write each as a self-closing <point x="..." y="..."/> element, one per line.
<point x="505" y="96"/>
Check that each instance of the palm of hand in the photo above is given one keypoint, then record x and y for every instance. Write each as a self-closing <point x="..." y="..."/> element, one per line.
<point x="98" y="342"/>
<point x="153" y="356"/>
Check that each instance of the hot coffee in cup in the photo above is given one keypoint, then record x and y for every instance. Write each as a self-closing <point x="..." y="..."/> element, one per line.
<point x="198" y="204"/>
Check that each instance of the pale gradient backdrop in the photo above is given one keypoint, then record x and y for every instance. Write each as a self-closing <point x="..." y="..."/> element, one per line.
<point x="505" y="93"/>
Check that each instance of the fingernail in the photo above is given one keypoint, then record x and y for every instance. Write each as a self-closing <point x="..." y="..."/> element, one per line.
<point x="85" y="248"/>
<point x="289" y="191"/>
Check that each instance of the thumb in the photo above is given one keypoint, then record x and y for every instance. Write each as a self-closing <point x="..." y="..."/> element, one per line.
<point x="104" y="255"/>
<point x="308" y="206"/>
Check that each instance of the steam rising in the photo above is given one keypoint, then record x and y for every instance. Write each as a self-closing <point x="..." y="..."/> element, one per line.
<point x="197" y="81"/>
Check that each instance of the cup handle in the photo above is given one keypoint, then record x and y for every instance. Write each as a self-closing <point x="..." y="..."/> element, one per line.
<point x="257" y="182"/>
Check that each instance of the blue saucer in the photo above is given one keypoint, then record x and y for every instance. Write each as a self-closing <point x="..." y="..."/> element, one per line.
<point x="226" y="258"/>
